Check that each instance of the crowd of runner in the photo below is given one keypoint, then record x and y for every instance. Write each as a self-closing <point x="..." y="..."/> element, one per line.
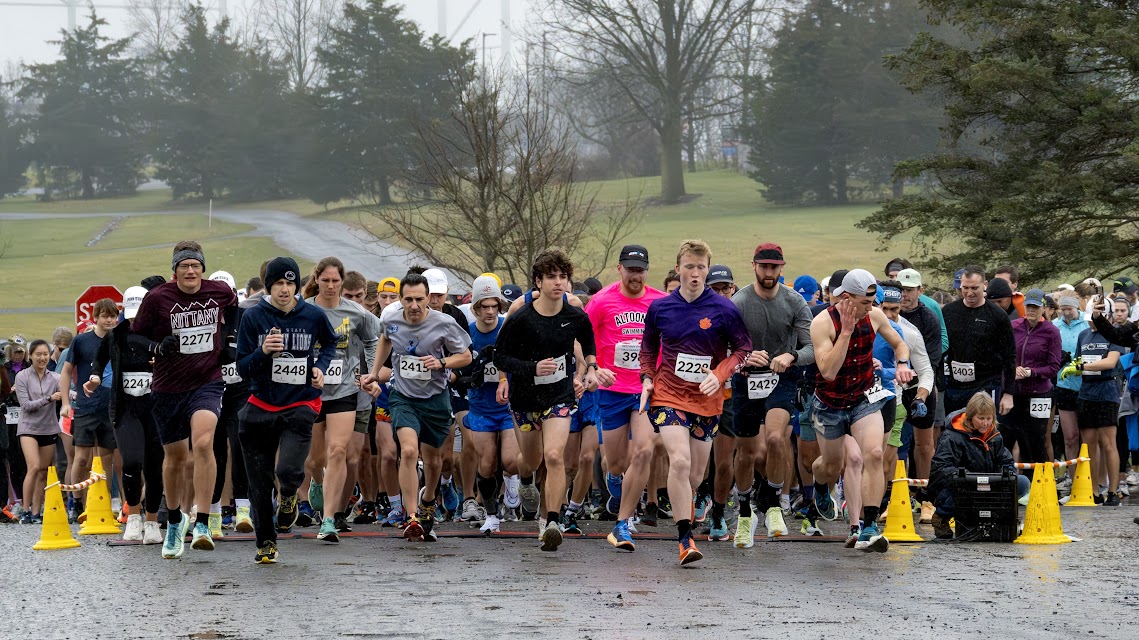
<point x="329" y="401"/>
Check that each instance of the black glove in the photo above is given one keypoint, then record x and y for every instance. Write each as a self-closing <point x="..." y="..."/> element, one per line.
<point x="478" y="377"/>
<point x="918" y="408"/>
<point x="168" y="346"/>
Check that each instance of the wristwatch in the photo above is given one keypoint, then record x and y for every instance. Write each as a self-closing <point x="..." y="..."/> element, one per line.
<point x="905" y="362"/>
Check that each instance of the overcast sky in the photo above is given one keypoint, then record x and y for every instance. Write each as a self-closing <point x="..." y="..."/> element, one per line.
<point x="24" y="31"/>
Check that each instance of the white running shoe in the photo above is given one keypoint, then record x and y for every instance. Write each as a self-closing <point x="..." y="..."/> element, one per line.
<point x="773" y="520"/>
<point x="133" y="531"/>
<point x="490" y="526"/>
<point x="510" y="495"/>
<point x="151" y="533"/>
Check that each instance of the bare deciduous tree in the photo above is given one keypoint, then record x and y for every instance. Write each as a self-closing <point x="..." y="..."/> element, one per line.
<point x="155" y="24"/>
<point x="670" y="47"/>
<point x="501" y="177"/>
<point x="295" y="28"/>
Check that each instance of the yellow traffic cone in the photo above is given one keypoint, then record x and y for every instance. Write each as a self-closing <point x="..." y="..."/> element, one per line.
<point x="1042" y="517"/>
<point x="900" y="518"/>
<point x="1082" y="483"/>
<point x="56" y="532"/>
<point x="100" y="518"/>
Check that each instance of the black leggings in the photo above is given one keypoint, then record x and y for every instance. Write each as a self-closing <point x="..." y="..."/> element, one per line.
<point x="11" y="452"/>
<point x="1019" y="427"/>
<point x="226" y="433"/>
<point x="142" y="453"/>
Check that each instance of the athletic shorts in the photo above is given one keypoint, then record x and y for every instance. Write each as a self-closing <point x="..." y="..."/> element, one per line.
<point x="750" y="414"/>
<point x="702" y="428"/>
<point x="347" y="404"/>
<point x="615" y="410"/>
<point x="528" y="421"/>
<point x="1066" y="399"/>
<point x="833" y="424"/>
<point x="896" y="432"/>
<point x="586" y="414"/>
<point x="727" y="426"/>
<point x="430" y="418"/>
<point x="488" y="424"/>
<point x="361" y="425"/>
<point x="42" y="440"/>
<point x="1096" y="414"/>
<point x="807" y="423"/>
<point x="459" y="403"/>
<point x="172" y="411"/>
<point x="93" y="429"/>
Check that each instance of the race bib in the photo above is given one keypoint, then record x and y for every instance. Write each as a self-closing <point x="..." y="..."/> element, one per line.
<point x="560" y="374"/>
<point x="335" y="373"/>
<point x="946" y="367"/>
<point x="1088" y="359"/>
<point x="760" y="385"/>
<point x="412" y="368"/>
<point x="692" y="368"/>
<point x="877" y="392"/>
<point x="1040" y="407"/>
<point x="229" y="373"/>
<point x="963" y="371"/>
<point x="290" y="371"/>
<point x="627" y="355"/>
<point x="490" y="373"/>
<point x="137" y="383"/>
<point x="196" y="339"/>
<point x="12" y="416"/>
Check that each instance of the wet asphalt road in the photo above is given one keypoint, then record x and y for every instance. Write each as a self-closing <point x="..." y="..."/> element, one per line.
<point x="499" y="588"/>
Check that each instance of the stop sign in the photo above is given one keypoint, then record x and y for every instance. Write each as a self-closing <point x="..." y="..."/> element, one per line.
<point x="85" y="303"/>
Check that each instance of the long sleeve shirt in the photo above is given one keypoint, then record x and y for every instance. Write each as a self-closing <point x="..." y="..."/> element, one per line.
<point x="528" y="337"/>
<point x="981" y="349"/>
<point x="681" y="338"/>
<point x="37" y="409"/>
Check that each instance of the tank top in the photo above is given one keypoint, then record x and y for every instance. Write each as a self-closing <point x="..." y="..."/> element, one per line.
<point x="856" y="375"/>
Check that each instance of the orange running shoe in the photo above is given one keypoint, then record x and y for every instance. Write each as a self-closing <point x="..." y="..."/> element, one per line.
<point x="688" y="551"/>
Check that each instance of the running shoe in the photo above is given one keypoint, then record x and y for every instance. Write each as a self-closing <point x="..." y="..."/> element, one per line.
<point x="785" y="503"/>
<point x="529" y="497"/>
<point x="745" y="531"/>
<point x="72" y="514"/>
<point x="243" y="523"/>
<point x="395" y="518"/>
<point x="26" y="518"/>
<point x="367" y="514"/>
<point x="620" y="536"/>
<point x="569" y="523"/>
<point x="490" y="525"/>
<point x="133" y="531"/>
<point x="510" y="495"/>
<point x="266" y="553"/>
<point x="664" y="507"/>
<point x="852" y="538"/>
<point x="871" y="539"/>
<point x="1133" y="478"/>
<point x="1065" y="484"/>
<point x="450" y="497"/>
<point x="652" y="512"/>
<point x="215" y="525"/>
<point x="773" y="520"/>
<point x="688" y="551"/>
<point x="825" y="505"/>
<point x="175" y="543"/>
<point x="551" y="536"/>
<point x="287" y="513"/>
<point x="316" y="496"/>
<point x="40" y="520"/>
<point x="701" y="507"/>
<point x="340" y="522"/>
<point x="306" y="517"/>
<point x="328" y="531"/>
<point x="613" y="484"/>
<point x="810" y="528"/>
<point x="1124" y="490"/>
<point x="427" y="517"/>
<point x="413" y="530"/>
<point x="202" y="540"/>
<point x="541" y="527"/>
<point x="719" y="530"/>
<point x="470" y="511"/>
<point x="509" y="514"/>
<point x="151" y="533"/>
<point x="1112" y="500"/>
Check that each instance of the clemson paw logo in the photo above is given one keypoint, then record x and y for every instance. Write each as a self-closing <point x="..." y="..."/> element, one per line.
<point x="705" y="323"/>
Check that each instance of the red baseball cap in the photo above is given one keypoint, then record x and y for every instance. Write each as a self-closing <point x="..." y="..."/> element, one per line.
<point x="768" y="253"/>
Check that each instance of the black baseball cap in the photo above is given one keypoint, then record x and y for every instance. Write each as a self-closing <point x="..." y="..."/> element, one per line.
<point x="511" y="292"/>
<point x="634" y="255"/>
<point x="1125" y="285"/>
<point x="836" y="279"/>
<point x="718" y="274"/>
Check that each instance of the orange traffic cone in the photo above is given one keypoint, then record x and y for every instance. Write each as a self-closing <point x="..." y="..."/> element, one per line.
<point x="899" y="517"/>
<point x="1082" y="484"/>
<point x="56" y="532"/>
<point x="100" y="519"/>
<point x="1042" y="517"/>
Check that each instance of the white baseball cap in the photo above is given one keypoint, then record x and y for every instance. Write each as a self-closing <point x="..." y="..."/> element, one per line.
<point x="909" y="278"/>
<point x="225" y="277"/>
<point x="436" y="281"/>
<point x="132" y="300"/>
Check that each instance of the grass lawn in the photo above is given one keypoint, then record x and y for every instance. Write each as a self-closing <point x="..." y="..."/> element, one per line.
<point x="155" y="200"/>
<point x="35" y="325"/>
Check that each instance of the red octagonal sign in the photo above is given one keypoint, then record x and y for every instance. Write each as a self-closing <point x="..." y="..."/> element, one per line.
<point x="85" y="303"/>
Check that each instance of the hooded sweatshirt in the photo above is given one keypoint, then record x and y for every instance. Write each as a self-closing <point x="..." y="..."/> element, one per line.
<point x="962" y="448"/>
<point x="304" y="328"/>
<point x="1037" y="348"/>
